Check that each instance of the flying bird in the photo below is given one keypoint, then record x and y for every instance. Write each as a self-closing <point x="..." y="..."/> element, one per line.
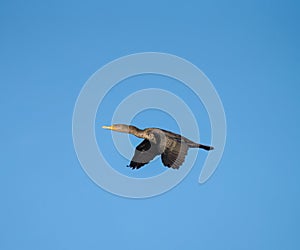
<point x="172" y="147"/>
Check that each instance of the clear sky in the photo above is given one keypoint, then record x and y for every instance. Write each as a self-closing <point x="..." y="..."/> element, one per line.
<point x="248" y="49"/>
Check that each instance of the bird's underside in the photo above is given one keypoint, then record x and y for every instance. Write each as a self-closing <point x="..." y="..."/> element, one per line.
<point x="173" y="152"/>
<point x="173" y="156"/>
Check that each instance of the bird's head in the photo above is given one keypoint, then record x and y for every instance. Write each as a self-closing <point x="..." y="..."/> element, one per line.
<point x="118" y="127"/>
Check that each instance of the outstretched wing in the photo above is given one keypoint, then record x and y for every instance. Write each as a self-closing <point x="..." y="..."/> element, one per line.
<point x="174" y="154"/>
<point x="144" y="153"/>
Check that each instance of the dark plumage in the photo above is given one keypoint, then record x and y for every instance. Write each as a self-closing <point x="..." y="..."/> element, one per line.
<point x="172" y="147"/>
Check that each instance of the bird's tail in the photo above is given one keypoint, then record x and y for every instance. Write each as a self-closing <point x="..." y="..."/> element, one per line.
<point x="205" y="147"/>
<point x="197" y="145"/>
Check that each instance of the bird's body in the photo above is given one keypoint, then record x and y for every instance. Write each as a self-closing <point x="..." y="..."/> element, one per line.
<point x="172" y="147"/>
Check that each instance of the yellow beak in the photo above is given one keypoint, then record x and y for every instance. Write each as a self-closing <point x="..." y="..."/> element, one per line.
<point x="108" y="127"/>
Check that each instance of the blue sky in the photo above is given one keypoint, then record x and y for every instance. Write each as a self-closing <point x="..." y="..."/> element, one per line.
<point x="248" y="49"/>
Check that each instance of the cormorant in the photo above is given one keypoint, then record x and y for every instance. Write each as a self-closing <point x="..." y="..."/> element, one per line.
<point x="172" y="147"/>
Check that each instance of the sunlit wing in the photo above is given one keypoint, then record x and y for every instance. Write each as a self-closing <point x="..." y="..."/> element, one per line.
<point x="173" y="157"/>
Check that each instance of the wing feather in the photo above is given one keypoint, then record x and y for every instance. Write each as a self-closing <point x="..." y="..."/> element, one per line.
<point x="144" y="153"/>
<point x="174" y="155"/>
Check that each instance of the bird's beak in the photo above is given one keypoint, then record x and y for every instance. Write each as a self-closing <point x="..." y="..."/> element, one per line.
<point x="108" y="127"/>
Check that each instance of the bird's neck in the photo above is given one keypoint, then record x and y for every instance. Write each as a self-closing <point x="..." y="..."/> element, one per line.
<point x="136" y="131"/>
